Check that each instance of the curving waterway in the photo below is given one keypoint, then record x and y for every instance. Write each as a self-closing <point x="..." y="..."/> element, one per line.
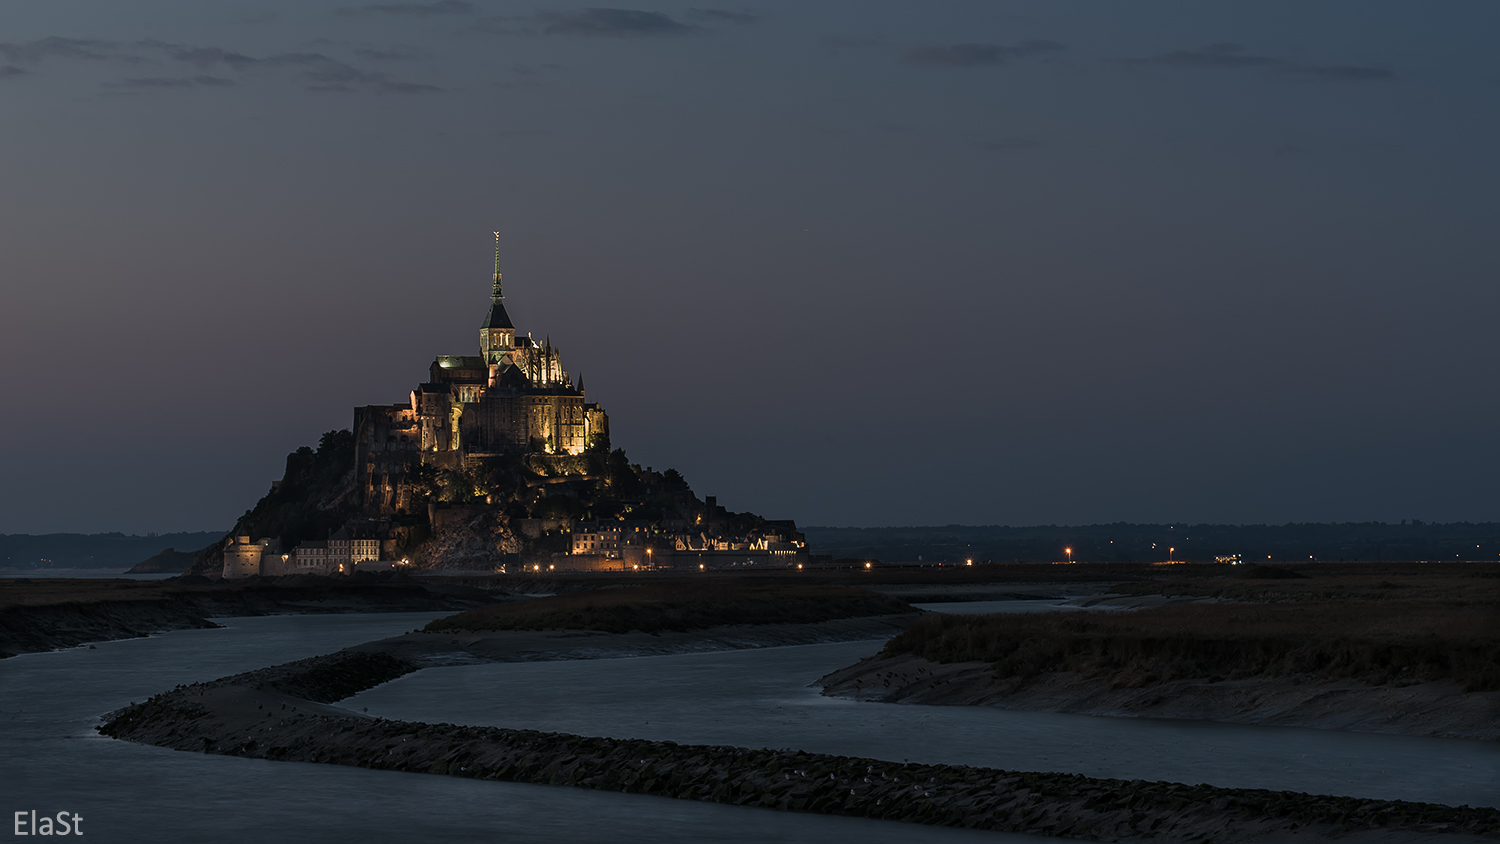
<point x="51" y="760"/>
<point x="761" y="698"/>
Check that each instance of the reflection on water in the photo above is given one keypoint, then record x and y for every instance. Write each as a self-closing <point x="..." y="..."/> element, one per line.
<point x="53" y="761"/>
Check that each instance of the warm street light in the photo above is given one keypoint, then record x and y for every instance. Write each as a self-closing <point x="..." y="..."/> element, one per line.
<point x="1069" y="552"/>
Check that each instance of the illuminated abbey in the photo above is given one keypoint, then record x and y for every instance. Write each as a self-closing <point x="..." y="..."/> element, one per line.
<point x="497" y="462"/>
<point x="512" y="400"/>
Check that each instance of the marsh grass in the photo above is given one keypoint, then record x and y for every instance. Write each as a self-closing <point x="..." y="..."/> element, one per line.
<point x="676" y="606"/>
<point x="1387" y="642"/>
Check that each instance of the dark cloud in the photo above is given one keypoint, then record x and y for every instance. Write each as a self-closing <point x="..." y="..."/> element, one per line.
<point x="500" y="24"/>
<point x="392" y="54"/>
<point x="297" y="60"/>
<point x="174" y="82"/>
<point x="62" y="48"/>
<point x="417" y="10"/>
<point x="384" y="86"/>
<point x="1036" y="47"/>
<point x="334" y="76"/>
<point x="957" y="55"/>
<point x="390" y="87"/>
<point x="1354" y="73"/>
<point x="1011" y="144"/>
<point x="329" y="75"/>
<point x="203" y="57"/>
<point x="978" y="55"/>
<point x="10" y="70"/>
<point x="1231" y="56"/>
<point x="1213" y="56"/>
<point x="323" y="71"/>
<point x="721" y="16"/>
<point x="614" y="22"/>
<point x="839" y="42"/>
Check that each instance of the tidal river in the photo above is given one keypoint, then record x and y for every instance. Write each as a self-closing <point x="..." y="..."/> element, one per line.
<point x="761" y="698"/>
<point x="51" y="760"/>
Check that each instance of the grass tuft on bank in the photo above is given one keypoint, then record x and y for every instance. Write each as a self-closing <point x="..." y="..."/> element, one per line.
<point x="676" y="606"/>
<point x="1388" y="642"/>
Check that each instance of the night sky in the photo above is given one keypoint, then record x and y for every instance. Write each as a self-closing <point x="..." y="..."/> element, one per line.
<point x="850" y="263"/>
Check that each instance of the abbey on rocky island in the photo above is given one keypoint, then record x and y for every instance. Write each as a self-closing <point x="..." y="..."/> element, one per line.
<point x="497" y="462"/>
<point x="511" y="400"/>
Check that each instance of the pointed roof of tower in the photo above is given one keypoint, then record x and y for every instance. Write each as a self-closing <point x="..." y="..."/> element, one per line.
<point x="497" y="317"/>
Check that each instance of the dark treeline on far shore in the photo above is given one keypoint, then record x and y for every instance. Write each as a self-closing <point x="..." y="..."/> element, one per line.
<point x="22" y="551"/>
<point x="1121" y="542"/>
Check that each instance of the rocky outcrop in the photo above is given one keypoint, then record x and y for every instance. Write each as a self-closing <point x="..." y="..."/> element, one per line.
<point x="169" y="561"/>
<point x="477" y="543"/>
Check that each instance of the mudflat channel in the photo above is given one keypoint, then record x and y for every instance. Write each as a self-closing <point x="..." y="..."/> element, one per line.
<point x="50" y="704"/>
<point x="274" y="713"/>
<point x="766" y="698"/>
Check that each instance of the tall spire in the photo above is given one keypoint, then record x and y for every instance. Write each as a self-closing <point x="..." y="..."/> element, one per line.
<point x="496" y="294"/>
<point x="498" y="333"/>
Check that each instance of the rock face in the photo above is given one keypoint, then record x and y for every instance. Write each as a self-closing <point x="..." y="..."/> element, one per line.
<point x="315" y="497"/>
<point x="280" y="713"/>
<point x="169" y="561"/>
<point x="1439" y="710"/>
<point x="478" y="543"/>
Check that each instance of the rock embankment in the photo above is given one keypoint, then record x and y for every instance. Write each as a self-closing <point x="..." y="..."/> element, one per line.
<point x="1439" y="710"/>
<point x="44" y="615"/>
<point x="281" y="713"/>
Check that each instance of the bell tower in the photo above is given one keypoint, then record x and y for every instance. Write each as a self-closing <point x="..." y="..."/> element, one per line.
<point x="497" y="336"/>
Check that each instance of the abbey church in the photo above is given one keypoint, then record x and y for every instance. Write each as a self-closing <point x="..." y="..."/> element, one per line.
<point x="511" y="400"/>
